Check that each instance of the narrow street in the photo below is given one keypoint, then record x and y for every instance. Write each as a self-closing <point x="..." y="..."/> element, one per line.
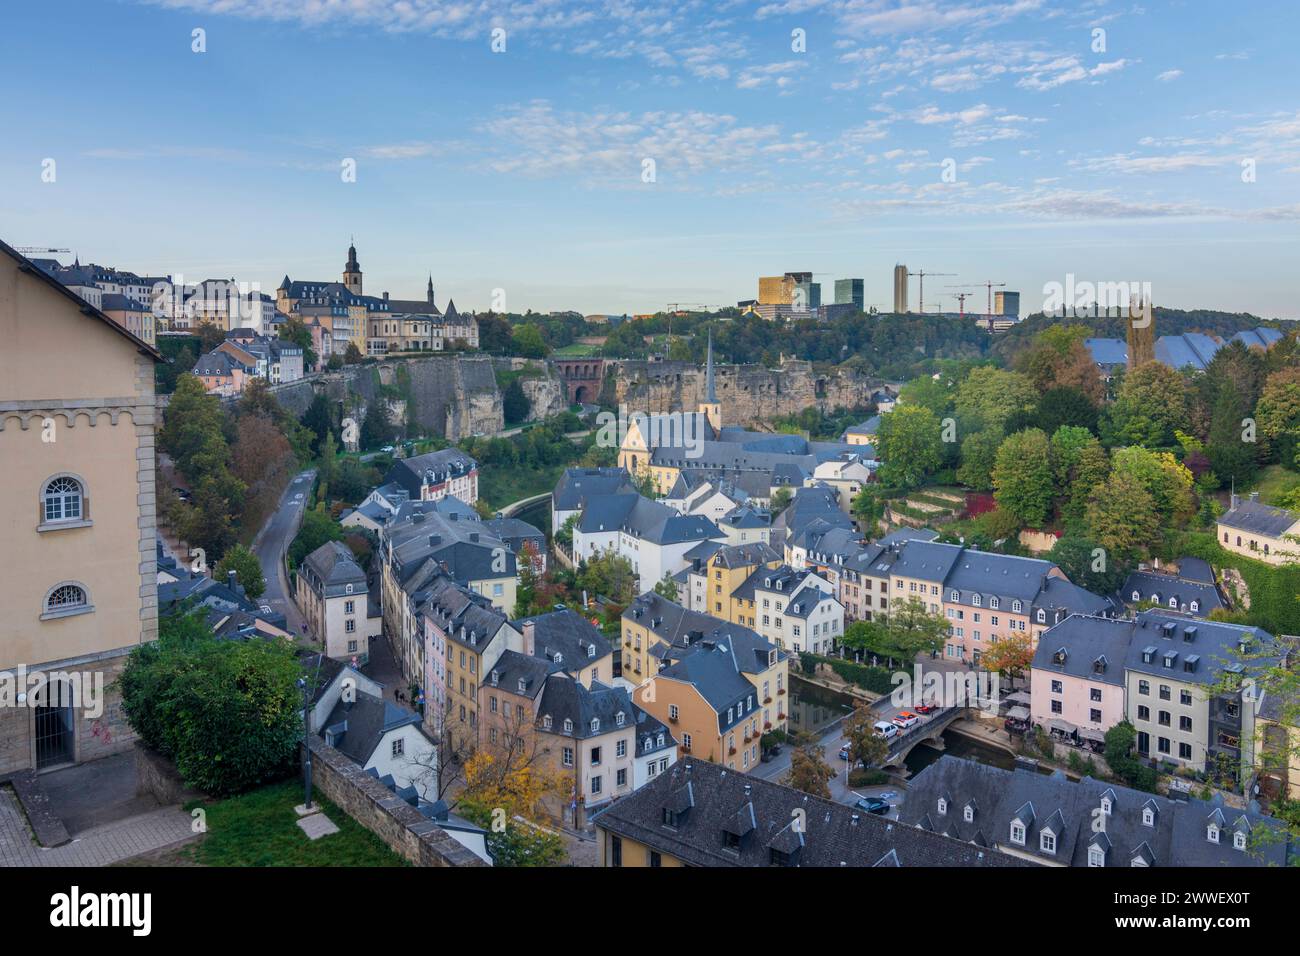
<point x="272" y="544"/>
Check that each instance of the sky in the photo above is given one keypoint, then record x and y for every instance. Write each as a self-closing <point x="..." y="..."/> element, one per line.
<point x="618" y="156"/>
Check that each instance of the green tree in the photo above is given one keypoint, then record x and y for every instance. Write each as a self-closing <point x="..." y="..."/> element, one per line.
<point x="809" y="771"/>
<point x="1022" y="477"/>
<point x="991" y="396"/>
<point x="514" y="403"/>
<point x="978" y="456"/>
<point x="666" y="587"/>
<point x="1097" y="572"/>
<point x="781" y="499"/>
<point x="1151" y="403"/>
<point x="527" y="341"/>
<point x="295" y="330"/>
<point x="227" y="713"/>
<point x="1121" y="517"/>
<point x="317" y="528"/>
<point x="866" y="747"/>
<point x="248" y="571"/>
<point x="376" y="428"/>
<point x="910" y="446"/>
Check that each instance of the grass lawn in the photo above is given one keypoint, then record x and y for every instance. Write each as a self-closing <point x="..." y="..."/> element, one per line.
<point x="577" y="350"/>
<point x="501" y="486"/>
<point x="261" y="829"/>
<point x="1274" y="480"/>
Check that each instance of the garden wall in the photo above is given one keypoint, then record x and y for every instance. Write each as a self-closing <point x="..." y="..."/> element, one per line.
<point x="362" y="797"/>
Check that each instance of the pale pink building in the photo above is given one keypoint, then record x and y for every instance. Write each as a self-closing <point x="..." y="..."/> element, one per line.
<point x="1077" y="679"/>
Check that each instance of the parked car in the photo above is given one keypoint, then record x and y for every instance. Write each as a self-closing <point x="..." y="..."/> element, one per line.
<point x="873" y="805"/>
<point x="845" y="751"/>
<point x="905" y="720"/>
<point x="885" y="729"/>
<point x="184" y="495"/>
<point x="926" y="708"/>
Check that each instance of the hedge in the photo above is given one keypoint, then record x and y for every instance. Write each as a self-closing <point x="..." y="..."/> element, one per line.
<point x="875" y="679"/>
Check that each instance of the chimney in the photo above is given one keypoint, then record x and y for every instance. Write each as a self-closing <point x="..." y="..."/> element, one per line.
<point x="530" y="632"/>
<point x="435" y="539"/>
<point x="232" y="580"/>
<point x="1233" y="501"/>
<point x="385" y="296"/>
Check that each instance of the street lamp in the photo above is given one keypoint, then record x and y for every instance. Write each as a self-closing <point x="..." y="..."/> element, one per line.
<point x="306" y="747"/>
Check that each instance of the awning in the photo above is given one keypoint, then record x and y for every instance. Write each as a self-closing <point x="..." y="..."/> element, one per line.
<point x="1019" y="697"/>
<point x="1096" y="735"/>
<point x="1018" y="713"/>
<point x="1062" y="726"/>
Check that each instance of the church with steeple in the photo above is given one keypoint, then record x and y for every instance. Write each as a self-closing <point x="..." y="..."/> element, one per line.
<point x="376" y="325"/>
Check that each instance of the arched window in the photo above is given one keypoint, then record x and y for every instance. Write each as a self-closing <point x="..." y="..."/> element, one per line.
<point x="62" y="500"/>
<point x="66" y="599"/>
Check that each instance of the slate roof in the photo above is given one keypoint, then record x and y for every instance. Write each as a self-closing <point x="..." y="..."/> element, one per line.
<point x="907" y="534"/>
<point x="1209" y="647"/>
<point x="469" y="550"/>
<point x="1108" y="351"/>
<point x="744" y="555"/>
<point x="1176" y="836"/>
<point x="464" y="616"/>
<point x="357" y="728"/>
<point x="568" y="634"/>
<point x="565" y="698"/>
<point x="578" y="484"/>
<point x="436" y="466"/>
<point x="1251" y="515"/>
<point x="683" y="631"/>
<point x="1095" y="649"/>
<point x="649" y="730"/>
<point x="513" y="666"/>
<point x="927" y="560"/>
<point x="1262" y="337"/>
<point x="870" y="427"/>
<point x="645" y="519"/>
<point x="713" y="670"/>
<point x="334" y="565"/>
<point x="709" y="800"/>
<point x="1161" y="588"/>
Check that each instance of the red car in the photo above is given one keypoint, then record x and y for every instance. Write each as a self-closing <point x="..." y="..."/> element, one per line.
<point x="926" y="708"/>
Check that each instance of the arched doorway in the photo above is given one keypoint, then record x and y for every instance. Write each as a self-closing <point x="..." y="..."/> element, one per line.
<point x="55" y="736"/>
<point x="580" y="395"/>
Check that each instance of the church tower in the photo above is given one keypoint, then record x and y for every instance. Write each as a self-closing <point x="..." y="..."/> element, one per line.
<point x="711" y="408"/>
<point x="429" y="291"/>
<point x="352" y="272"/>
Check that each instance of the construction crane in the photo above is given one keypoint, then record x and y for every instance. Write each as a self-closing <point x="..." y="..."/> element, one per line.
<point x="990" y="286"/>
<point x="39" y="250"/>
<point x="961" y="298"/>
<point x="920" y="290"/>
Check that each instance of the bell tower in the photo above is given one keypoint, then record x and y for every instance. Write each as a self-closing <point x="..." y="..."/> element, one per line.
<point x="352" y="272"/>
<point x="711" y="408"/>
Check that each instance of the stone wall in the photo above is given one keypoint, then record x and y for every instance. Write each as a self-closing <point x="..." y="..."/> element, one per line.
<point x="749" y="393"/>
<point x="375" y="807"/>
<point x="451" y="396"/>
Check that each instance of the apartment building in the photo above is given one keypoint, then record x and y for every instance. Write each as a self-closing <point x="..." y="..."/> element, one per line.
<point x="795" y="609"/>
<point x="331" y="593"/>
<point x="436" y="475"/>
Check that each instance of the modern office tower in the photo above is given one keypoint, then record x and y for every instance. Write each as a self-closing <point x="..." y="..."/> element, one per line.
<point x="851" y="292"/>
<point x="1006" y="303"/>
<point x="775" y="290"/>
<point x="900" y="289"/>
<point x="807" y="295"/>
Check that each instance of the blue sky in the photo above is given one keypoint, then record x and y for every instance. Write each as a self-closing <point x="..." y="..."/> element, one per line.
<point x="523" y="170"/>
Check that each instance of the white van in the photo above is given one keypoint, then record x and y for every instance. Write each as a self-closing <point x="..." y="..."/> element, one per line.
<point x="885" y="729"/>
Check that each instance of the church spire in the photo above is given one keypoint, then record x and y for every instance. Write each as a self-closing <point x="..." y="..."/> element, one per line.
<point x="429" y="291"/>
<point x="710" y="395"/>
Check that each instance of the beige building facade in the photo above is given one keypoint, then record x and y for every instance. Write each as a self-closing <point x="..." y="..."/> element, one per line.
<point x="77" y="518"/>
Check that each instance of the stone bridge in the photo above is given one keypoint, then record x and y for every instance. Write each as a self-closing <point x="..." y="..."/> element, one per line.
<point x="583" y="378"/>
<point x="929" y="731"/>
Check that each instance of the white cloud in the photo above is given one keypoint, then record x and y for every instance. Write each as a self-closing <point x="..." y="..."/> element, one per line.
<point x="1169" y="75"/>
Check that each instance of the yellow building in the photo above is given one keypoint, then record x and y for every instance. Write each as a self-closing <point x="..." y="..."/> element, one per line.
<point x="718" y="686"/>
<point x="776" y="290"/>
<point x="1260" y="531"/>
<point x="77" y="518"/>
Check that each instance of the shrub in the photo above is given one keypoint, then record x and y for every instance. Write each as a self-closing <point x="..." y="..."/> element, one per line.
<point x="227" y="713"/>
<point x="867" y="778"/>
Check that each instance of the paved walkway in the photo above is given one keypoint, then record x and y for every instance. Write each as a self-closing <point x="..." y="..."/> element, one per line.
<point x="98" y="846"/>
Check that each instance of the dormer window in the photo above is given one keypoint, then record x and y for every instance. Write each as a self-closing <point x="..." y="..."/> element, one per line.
<point x="595" y="725"/>
<point x="1016" y="606"/>
<point x="546" y="722"/>
<point x="1239" y="840"/>
<point x="1212" y="833"/>
<point x="994" y="603"/>
<point x="591" y="650"/>
<point x="943" y="806"/>
<point x="1047" y="841"/>
<point x="559" y="658"/>
<point x="954" y="596"/>
<point x="968" y="814"/>
<point x="568" y="725"/>
<point x="618" y="719"/>
<point x="1105" y="805"/>
<point x="1195" y="606"/>
<point x="494" y="677"/>
<point x="1042" y="616"/>
<point x="1173" y="603"/>
<point x="1096" y="856"/>
<point x="523" y="685"/>
<point x="1137" y="596"/>
<point x="1148" y="817"/>
<point x="1017" y="833"/>
<point x="660" y="740"/>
